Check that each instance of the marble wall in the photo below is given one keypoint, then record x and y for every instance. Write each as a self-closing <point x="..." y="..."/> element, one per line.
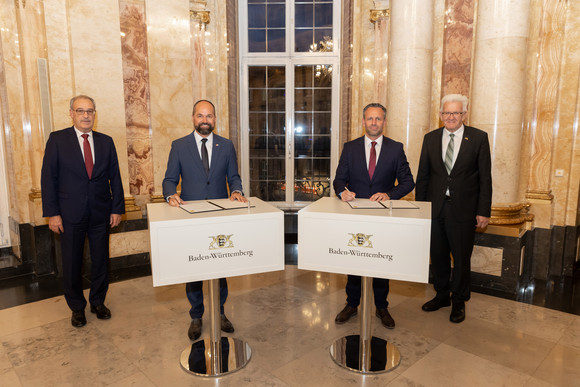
<point x="145" y="62"/>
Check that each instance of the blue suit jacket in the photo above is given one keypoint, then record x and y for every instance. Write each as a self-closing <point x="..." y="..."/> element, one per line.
<point x="392" y="166"/>
<point x="185" y="162"/>
<point x="65" y="184"/>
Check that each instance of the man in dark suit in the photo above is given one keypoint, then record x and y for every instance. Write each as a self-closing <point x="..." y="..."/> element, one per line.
<point x="206" y="164"/>
<point x="455" y="176"/>
<point x="82" y="196"/>
<point x="368" y="168"/>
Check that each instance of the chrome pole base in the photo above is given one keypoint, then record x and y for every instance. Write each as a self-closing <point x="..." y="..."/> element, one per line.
<point x="230" y="355"/>
<point x="384" y="356"/>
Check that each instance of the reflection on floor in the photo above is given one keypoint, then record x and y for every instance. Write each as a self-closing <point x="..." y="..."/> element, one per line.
<point x="287" y="317"/>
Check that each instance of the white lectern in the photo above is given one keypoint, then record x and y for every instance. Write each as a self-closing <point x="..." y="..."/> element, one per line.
<point x="384" y="243"/>
<point x="188" y="247"/>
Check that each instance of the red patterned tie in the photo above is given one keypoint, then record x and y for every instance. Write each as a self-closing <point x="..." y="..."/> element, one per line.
<point x="88" y="155"/>
<point x="372" y="160"/>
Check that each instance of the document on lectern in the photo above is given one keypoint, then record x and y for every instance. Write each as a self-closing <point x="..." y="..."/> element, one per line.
<point x="387" y="204"/>
<point x="365" y="204"/>
<point x="198" y="206"/>
<point x="228" y="204"/>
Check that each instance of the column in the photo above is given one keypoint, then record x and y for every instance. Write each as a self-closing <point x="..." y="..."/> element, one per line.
<point x="409" y="78"/>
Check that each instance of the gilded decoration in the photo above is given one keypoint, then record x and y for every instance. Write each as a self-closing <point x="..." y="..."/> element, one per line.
<point x="34" y="194"/>
<point x="157" y="199"/>
<point x="377" y="14"/>
<point x="510" y="214"/>
<point x="202" y="17"/>
<point x="540" y="195"/>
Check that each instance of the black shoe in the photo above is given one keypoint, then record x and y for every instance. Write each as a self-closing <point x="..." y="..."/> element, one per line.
<point x="386" y="318"/>
<point x="457" y="312"/>
<point x="78" y="318"/>
<point x="435" y="304"/>
<point x="227" y="326"/>
<point x="345" y="315"/>
<point x="102" y="311"/>
<point x="194" y="329"/>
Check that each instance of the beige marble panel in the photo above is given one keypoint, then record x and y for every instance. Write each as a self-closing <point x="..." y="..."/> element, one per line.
<point x="550" y="49"/>
<point x="100" y="74"/>
<point x="438" y="44"/>
<point x="170" y="75"/>
<point x="498" y="86"/>
<point x="216" y="69"/>
<point x="566" y="190"/>
<point x="487" y="260"/>
<point x="128" y="243"/>
<point x="61" y="75"/>
<point x="410" y="70"/>
<point x="16" y="125"/>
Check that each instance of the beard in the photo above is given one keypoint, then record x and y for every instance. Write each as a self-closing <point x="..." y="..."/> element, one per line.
<point x="204" y="129"/>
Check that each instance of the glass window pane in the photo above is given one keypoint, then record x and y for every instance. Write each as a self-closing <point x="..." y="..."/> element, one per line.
<point x="258" y="145"/>
<point x="257" y="76"/>
<point x="276" y="15"/>
<point x="276" y="147"/>
<point x="257" y="100"/>
<point x="322" y="123"/>
<point x="258" y="169"/>
<point x="276" y="100"/>
<point x="276" y="169"/>
<point x="304" y="16"/>
<point x="302" y="123"/>
<point x="276" y="191"/>
<point x="303" y="169"/>
<point x="323" y="15"/>
<point x="258" y="16"/>
<point x="303" y="100"/>
<point x="257" y="123"/>
<point x="323" y="76"/>
<point x="257" y="40"/>
<point x="276" y="40"/>
<point x="303" y="76"/>
<point x="321" y="147"/>
<point x="277" y="123"/>
<point x="276" y="77"/>
<point x="321" y="37"/>
<point x="322" y="99"/>
<point x="303" y="40"/>
<point x="303" y="146"/>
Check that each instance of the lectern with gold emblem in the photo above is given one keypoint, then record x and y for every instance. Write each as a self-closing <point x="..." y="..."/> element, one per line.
<point x="388" y="241"/>
<point x="200" y="242"/>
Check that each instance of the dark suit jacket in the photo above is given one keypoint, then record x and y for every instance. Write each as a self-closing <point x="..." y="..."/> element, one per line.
<point x="470" y="179"/>
<point x="185" y="162"/>
<point x="392" y="165"/>
<point x="65" y="184"/>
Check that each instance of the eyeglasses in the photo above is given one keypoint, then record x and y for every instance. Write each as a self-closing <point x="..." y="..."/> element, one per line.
<point x="82" y="112"/>
<point x="454" y="114"/>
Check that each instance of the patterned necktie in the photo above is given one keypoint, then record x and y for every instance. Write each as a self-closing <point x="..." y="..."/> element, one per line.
<point x="88" y="155"/>
<point x="449" y="154"/>
<point x="372" y="160"/>
<point x="204" y="156"/>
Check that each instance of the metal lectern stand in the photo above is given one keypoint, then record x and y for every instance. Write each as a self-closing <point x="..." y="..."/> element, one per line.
<point x="216" y="356"/>
<point x="364" y="353"/>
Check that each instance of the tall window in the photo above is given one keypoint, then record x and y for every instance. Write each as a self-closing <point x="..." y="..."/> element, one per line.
<point x="289" y="98"/>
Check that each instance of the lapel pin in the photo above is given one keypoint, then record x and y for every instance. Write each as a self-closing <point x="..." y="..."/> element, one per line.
<point x="466" y="138"/>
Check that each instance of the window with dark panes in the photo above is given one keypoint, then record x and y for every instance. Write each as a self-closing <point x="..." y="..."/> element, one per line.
<point x="289" y="98"/>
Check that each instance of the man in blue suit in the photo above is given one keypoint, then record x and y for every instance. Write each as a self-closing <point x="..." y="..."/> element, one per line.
<point x="82" y="195"/>
<point x="368" y="168"/>
<point x="206" y="164"/>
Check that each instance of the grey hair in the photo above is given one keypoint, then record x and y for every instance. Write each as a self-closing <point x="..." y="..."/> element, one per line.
<point x="82" y="96"/>
<point x="454" y="98"/>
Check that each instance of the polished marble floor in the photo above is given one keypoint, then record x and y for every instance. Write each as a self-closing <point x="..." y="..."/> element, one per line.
<point x="287" y="317"/>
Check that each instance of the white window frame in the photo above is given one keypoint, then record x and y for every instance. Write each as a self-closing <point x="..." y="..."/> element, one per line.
<point x="288" y="59"/>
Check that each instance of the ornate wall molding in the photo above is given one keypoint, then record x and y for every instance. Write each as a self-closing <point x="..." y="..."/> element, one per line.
<point x="377" y="14"/>
<point x="202" y="17"/>
<point x="540" y="195"/>
<point x="510" y="214"/>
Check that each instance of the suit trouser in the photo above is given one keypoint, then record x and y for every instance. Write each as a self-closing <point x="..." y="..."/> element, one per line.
<point x="72" y="244"/>
<point x="380" y="289"/>
<point x="194" y="291"/>
<point x="449" y="236"/>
